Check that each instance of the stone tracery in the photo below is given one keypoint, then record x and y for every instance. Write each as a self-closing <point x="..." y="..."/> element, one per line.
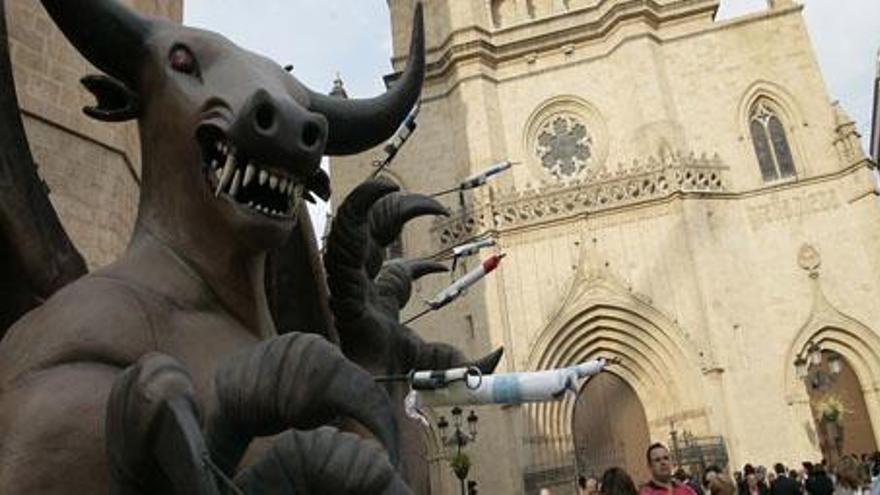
<point x="564" y="146"/>
<point x="598" y="190"/>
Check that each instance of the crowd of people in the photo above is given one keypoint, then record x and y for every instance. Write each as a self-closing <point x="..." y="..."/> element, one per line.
<point x="851" y="475"/>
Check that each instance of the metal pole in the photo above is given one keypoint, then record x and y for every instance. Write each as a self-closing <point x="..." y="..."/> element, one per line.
<point x="458" y="444"/>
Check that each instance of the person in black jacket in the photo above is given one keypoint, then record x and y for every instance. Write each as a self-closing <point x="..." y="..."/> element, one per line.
<point x="783" y="485"/>
<point x="818" y="482"/>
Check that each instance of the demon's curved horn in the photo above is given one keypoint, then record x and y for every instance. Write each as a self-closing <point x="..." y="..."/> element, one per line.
<point x="108" y="33"/>
<point x="358" y="125"/>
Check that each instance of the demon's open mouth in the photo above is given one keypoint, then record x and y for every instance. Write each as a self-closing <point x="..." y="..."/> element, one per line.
<point x="263" y="188"/>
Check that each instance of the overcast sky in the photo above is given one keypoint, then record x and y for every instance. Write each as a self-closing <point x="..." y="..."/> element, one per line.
<point x="353" y="37"/>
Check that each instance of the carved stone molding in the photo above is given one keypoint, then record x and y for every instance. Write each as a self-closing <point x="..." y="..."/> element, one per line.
<point x="598" y="190"/>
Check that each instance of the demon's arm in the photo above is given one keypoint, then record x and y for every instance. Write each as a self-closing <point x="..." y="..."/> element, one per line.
<point x="366" y="297"/>
<point x="36" y="256"/>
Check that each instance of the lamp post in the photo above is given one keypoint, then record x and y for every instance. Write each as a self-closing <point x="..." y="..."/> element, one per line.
<point x="819" y="370"/>
<point x="808" y="365"/>
<point x="459" y="438"/>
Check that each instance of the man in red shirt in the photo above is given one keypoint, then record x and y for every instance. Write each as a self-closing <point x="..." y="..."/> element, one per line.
<point x="662" y="482"/>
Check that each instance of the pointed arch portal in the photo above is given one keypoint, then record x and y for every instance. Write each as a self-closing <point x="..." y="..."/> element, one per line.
<point x="656" y="378"/>
<point x="858" y="383"/>
<point x="610" y="427"/>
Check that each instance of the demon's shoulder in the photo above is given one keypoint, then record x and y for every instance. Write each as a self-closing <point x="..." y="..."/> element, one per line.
<point x="96" y="318"/>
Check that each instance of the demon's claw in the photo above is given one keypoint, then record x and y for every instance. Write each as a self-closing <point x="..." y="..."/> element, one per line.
<point x="395" y="280"/>
<point x="392" y="212"/>
<point x="154" y="443"/>
<point x="363" y="197"/>
<point x="293" y="381"/>
<point x="488" y="363"/>
<point x="322" y="461"/>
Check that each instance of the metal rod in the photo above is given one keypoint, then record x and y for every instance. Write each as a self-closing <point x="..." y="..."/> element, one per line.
<point x="416" y="317"/>
<point x="390" y="378"/>
<point x="445" y="192"/>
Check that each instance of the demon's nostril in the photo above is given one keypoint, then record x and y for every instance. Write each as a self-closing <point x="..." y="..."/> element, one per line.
<point x="265" y="117"/>
<point x="311" y="134"/>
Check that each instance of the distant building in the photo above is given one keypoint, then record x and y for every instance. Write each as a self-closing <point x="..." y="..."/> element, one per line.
<point x="875" y="120"/>
<point x="688" y="199"/>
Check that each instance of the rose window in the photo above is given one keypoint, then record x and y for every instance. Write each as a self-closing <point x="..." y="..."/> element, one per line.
<point x="564" y="147"/>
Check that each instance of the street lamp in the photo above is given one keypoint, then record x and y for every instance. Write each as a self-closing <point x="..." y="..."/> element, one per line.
<point x="815" y="353"/>
<point x="808" y="366"/>
<point x="460" y="462"/>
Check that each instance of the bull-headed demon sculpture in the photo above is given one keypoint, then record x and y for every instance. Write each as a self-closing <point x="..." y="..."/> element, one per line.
<point x="164" y="372"/>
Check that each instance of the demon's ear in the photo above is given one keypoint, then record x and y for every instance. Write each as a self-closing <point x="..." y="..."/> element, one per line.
<point x="115" y="102"/>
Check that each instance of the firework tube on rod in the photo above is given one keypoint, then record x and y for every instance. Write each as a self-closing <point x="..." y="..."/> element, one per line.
<point x="457" y="288"/>
<point x="507" y="388"/>
<point x="479" y="179"/>
<point x="472" y="248"/>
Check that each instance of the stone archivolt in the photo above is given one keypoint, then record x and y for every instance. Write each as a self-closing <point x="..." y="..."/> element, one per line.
<point x="599" y="190"/>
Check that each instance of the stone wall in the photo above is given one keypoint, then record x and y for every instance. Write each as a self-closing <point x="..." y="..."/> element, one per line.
<point x="92" y="168"/>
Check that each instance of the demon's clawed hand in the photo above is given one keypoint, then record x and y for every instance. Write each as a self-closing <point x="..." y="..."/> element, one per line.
<point x="367" y="296"/>
<point x="155" y="442"/>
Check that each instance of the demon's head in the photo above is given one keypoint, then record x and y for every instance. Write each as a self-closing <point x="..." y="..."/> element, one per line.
<point x="231" y="140"/>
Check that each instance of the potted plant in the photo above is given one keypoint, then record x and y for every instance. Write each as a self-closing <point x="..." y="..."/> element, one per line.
<point x="830" y="409"/>
<point x="461" y="464"/>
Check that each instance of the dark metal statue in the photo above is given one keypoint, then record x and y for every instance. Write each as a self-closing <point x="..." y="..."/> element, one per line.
<point x="165" y="371"/>
<point x="367" y="296"/>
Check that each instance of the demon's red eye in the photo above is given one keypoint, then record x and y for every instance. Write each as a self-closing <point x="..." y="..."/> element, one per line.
<point x="182" y="60"/>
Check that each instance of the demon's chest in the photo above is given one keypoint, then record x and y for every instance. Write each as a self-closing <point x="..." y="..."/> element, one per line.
<point x="202" y="341"/>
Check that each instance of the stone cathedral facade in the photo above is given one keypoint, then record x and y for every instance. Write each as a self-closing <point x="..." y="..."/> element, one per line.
<point x="686" y="198"/>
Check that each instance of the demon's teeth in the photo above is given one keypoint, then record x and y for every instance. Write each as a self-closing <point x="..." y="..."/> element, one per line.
<point x="264" y="176"/>
<point x="228" y="170"/>
<point x="273" y="182"/>
<point x="236" y="183"/>
<point x="249" y="174"/>
<point x="282" y="185"/>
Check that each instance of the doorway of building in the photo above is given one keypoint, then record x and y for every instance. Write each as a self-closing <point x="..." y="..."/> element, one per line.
<point x="610" y="428"/>
<point x="850" y="433"/>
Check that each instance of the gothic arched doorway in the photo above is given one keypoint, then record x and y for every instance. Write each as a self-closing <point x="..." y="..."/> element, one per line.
<point x="852" y="433"/>
<point x="610" y="427"/>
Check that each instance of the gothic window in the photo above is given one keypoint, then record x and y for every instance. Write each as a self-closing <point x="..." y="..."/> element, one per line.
<point x="771" y="144"/>
<point x="564" y="147"/>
